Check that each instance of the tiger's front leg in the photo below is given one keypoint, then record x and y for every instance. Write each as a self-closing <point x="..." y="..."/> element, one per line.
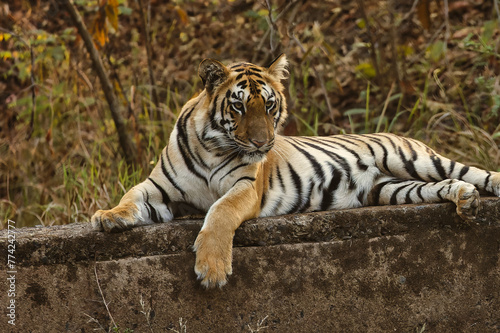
<point x="144" y="204"/>
<point x="214" y="243"/>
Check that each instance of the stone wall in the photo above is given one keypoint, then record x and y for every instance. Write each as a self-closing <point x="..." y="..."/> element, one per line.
<point x="412" y="268"/>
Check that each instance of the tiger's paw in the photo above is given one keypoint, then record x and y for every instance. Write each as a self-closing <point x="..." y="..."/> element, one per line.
<point x="213" y="259"/>
<point x="118" y="219"/>
<point x="468" y="202"/>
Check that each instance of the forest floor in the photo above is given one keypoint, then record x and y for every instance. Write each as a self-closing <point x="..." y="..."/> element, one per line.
<point x="425" y="69"/>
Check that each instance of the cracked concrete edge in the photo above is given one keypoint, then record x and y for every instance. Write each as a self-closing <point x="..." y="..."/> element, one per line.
<point x="78" y="242"/>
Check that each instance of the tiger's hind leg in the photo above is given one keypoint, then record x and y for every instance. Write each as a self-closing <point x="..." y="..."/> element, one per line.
<point x="393" y="191"/>
<point x="405" y="158"/>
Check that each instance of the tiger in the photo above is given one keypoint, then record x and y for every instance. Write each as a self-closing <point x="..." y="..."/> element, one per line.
<point x="225" y="157"/>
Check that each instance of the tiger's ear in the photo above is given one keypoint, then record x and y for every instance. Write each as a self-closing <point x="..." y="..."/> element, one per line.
<point x="278" y="68"/>
<point x="212" y="73"/>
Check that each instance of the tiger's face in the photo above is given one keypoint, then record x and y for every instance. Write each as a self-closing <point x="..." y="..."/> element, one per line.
<point x="247" y="104"/>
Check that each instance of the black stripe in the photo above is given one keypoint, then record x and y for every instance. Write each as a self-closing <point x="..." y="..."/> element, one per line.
<point x="464" y="170"/>
<point x="170" y="162"/>
<point x="375" y="192"/>
<point x="328" y="197"/>
<point x="233" y="169"/>
<point x="183" y="138"/>
<point x="316" y="166"/>
<point x="394" y="198"/>
<point x="150" y="208"/>
<point x="223" y="164"/>
<point x="166" y="199"/>
<point x="298" y="186"/>
<point x="408" y="197"/>
<point x="409" y="165"/>
<point x="385" y="154"/>
<point x="189" y="163"/>
<point x="389" y="138"/>
<point x="439" y="193"/>
<point x="452" y="168"/>
<point x="409" y="145"/>
<point x="252" y="179"/>
<point x="362" y="166"/>
<point x="270" y="186"/>
<point x="167" y="174"/>
<point x="213" y="111"/>
<point x="336" y="157"/>
<point x="487" y="180"/>
<point x="419" y="192"/>
<point x="280" y="178"/>
<point x="263" y="200"/>
<point x="377" y="189"/>
<point x="250" y="72"/>
<point x="335" y="144"/>
<point x="152" y="212"/>
<point x="360" y="139"/>
<point x="202" y="142"/>
<point x="438" y="166"/>
<point x="307" y="204"/>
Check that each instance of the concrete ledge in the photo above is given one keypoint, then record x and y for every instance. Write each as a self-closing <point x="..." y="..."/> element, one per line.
<point x="374" y="269"/>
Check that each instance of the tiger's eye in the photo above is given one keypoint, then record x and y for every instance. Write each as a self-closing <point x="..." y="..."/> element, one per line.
<point x="269" y="104"/>
<point x="238" y="105"/>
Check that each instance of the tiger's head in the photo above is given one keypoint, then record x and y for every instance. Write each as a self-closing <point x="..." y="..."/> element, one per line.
<point x="247" y="105"/>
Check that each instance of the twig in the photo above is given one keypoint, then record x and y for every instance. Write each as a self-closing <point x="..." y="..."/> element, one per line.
<point x="272" y="26"/>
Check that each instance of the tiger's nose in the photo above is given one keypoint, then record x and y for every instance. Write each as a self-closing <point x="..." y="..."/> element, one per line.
<point x="258" y="143"/>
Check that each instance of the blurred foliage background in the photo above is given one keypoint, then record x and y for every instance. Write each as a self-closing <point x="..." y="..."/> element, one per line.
<point x="421" y="68"/>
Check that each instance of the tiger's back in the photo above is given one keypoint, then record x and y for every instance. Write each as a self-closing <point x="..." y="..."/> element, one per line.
<point x="226" y="158"/>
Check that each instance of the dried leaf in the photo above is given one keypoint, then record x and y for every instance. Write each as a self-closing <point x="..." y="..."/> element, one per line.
<point x="182" y="15"/>
<point x="112" y="13"/>
<point x="100" y="29"/>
